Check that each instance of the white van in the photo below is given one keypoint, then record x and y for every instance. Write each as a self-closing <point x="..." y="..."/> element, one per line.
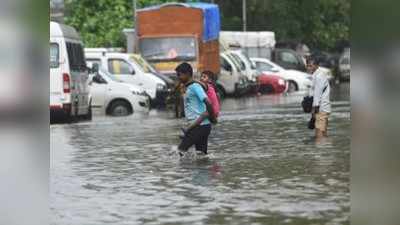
<point x="124" y="67"/>
<point x="231" y="81"/>
<point x="69" y="91"/>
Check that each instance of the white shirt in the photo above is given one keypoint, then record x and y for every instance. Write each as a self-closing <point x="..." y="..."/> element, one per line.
<point x="321" y="98"/>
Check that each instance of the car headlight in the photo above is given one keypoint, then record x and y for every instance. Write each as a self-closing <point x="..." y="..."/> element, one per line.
<point x="160" y="87"/>
<point x="281" y="82"/>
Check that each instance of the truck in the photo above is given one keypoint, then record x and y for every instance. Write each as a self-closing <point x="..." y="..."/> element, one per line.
<point x="172" y="33"/>
<point x="262" y="45"/>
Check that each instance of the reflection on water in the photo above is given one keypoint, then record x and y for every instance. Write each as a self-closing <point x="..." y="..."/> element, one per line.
<point x="264" y="168"/>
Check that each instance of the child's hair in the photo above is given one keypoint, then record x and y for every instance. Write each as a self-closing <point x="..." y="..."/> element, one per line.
<point x="210" y="75"/>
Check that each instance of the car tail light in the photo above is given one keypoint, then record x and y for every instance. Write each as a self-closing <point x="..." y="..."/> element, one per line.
<point x="66" y="83"/>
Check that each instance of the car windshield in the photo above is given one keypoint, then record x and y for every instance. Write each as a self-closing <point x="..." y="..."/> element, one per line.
<point x="248" y="61"/>
<point x="147" y="68"/>
<point x="168" y="49"/>
<point x="236" y="64"/>
<point x="276" y="66"/>
<point x="239" y="61"/>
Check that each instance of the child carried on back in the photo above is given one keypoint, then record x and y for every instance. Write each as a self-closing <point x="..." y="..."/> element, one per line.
<point x="207" y="79"/>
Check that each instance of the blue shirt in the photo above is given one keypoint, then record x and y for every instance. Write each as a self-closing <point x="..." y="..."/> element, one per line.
<point x="194" y="103"/>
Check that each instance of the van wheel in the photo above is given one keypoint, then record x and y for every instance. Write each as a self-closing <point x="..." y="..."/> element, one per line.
<point x="292" y="86"/>
<point x="120" y="108"/>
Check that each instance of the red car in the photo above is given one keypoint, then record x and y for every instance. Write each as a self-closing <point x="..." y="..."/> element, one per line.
<point x="271" y="84"/>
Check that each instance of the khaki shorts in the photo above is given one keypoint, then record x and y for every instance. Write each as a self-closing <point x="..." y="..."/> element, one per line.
<point x="321" y="121"/>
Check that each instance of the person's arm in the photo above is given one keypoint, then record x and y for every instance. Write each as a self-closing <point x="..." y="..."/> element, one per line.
<point x="317" y="94"/>
<point x="197" y="122"/>
<point x="207" y="114"/>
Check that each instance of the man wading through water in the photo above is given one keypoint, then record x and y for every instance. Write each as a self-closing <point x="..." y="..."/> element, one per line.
<point x="321" y="102"/>
<point x="198" y="112"/>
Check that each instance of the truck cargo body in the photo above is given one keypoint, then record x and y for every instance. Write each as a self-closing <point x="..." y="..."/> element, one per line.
<point x="174" y="33"/>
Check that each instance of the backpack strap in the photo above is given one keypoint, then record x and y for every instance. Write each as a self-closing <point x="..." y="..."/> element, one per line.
<point x="198" y="82"/>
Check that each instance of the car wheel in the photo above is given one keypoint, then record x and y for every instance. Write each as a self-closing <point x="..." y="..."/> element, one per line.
<point x="266" y="89"/>
<point x="292" y="86"/>
<point x="120" y="108"/>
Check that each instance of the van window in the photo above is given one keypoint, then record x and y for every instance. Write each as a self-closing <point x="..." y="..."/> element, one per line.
<point x="76" y="57"/>
<point x="119" y="66"/>
<point x="54" y="55"/>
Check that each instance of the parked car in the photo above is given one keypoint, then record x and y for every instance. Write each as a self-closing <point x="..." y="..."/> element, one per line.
<point x="247" y="67"/>
<point x="114" y="96"/>
<point x="164" y="97"/>
<point x="231" y="81"/>
<point x="271" y="84"/>
<point x="263" y="45"/>
<point x="69" y="91"/>
<point x="344" y="65"/>
<point x="126" y="69"/>
<point x="297" y="81"/>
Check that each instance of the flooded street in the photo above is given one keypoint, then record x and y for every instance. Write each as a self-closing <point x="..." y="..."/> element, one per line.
<point x="264" y="168"/>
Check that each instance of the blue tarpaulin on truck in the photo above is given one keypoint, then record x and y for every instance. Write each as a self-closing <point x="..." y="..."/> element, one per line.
<point x="211" y="17"/>
<point x="211" y="20"/>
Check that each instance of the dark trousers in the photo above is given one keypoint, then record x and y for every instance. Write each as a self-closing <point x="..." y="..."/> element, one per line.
<point x="198" y="137"/>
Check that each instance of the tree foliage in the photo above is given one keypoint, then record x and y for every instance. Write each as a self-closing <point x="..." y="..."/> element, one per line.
<point x="318" y="23"/>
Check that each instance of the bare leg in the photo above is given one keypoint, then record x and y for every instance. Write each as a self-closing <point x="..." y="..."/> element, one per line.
<point x="319" y="134"/>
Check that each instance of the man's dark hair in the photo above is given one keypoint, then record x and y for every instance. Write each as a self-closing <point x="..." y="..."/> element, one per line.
<point x="184" y="68"/>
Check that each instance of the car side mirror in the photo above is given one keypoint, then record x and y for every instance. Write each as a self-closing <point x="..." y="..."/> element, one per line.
<point x="132" y="71"/>
<point x="98" y="79"/>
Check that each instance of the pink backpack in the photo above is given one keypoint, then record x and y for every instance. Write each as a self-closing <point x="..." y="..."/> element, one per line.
<point x="212" y="96"/>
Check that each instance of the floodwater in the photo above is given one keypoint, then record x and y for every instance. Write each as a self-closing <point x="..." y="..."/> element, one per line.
<point x="264" y="168"/>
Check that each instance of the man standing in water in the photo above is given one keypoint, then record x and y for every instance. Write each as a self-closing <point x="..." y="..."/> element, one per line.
<point x="321" y="102"/>
<point x="198" y="110"/>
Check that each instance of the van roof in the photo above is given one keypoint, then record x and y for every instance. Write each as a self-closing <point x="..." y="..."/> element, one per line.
<point x="62" y="30"/>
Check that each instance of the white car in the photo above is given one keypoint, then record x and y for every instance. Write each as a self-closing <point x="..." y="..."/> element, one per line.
<point x="231" y="81"/>
<point x="297" y="81"/>
<point x="115" y="97"/>
<point x="247" y="67"/>
<point x="126" y="69"/>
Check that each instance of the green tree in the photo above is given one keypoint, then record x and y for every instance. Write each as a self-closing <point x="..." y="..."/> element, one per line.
<point x="318" y="23"/>
<point x="100" y="22"/>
